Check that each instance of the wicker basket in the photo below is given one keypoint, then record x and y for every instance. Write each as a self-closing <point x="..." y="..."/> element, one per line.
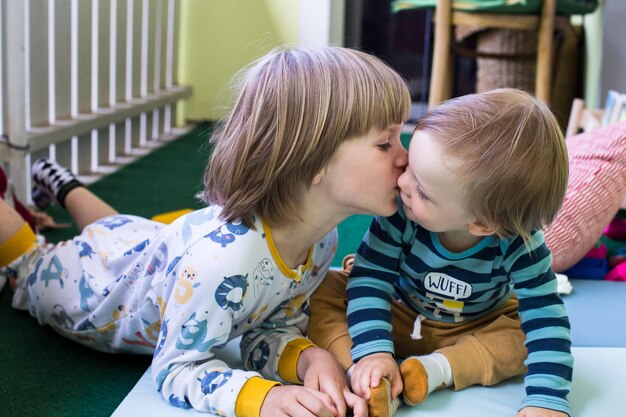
<point x="506" y="58"/>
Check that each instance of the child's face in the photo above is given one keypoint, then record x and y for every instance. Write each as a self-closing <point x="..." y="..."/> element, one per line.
<point x="431" y="193"/>
<point x="362" y="176"/>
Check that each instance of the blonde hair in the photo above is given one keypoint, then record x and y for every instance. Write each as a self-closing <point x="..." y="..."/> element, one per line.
<point x="511" y="154"/>
<point x="295" y="107"/>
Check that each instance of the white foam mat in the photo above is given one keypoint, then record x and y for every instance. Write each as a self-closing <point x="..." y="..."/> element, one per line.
<point x="597" y="390"/>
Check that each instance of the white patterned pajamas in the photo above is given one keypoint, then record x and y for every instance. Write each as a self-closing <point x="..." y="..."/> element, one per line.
<point x="127" y="284"/>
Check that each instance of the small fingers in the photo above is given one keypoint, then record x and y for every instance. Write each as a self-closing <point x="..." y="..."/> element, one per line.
<point x="336" y="395"/>
<point x="375" y="376"/>
<point x="361" y="384"/>
<point x="396" y="386"/>
<point x="320" y="404"/>
<point x="356" y="403"/>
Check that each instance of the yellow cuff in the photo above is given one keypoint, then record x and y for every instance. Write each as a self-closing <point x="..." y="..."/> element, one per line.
<point x="252" y="395"/>
<point x="288" y="362"/>
<point x="17" y="245"/>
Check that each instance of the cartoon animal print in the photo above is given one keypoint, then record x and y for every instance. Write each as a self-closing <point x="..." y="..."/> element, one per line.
<point x="55" y="271"/>
<point x="291" y="307"/>
<point x="61" y="317"/>
<point x="85" y="249"/>
<point x="140" y="341"/>
<point x="185" y="285"/>
<point x="107" y="290"/>
<point x="32" y="277"/>
<point x="172" y="265"/>
<point x="224" y="238"/>
<point x="231" y="292"/>
<point x="162" y="339"/>
<point x="177" y="402"/>
<point x="192" y="335"/>
<point x="117" y="314"/>
<point x="85" y="291"/>
<point x="255" y="316"/>
<point x="132" y="278"/>
<point x="137" y="248"/>
<point x="85" y="325"/>
<point x="152" y="329"/>
<point x="237" y="228"/>
<point x="263" y="274"/>
<point x="163" y="373"/>
<point x="195" y="219"/>
<point x="158" y="261"/>
<point x="259" y="356"/>
<point x="114" y="222"/>
<point x="211" y="381"/>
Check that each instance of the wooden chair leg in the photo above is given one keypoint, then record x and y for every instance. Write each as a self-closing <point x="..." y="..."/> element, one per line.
<point x="440" y="73"/>
<point x="545" y="50"/>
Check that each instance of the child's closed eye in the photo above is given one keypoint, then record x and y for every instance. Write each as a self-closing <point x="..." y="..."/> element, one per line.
<point x="421" y="194"/>
<point x="384" y="146"/>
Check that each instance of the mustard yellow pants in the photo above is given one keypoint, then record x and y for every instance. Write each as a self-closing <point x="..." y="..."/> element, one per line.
<point x="485" y="351"/>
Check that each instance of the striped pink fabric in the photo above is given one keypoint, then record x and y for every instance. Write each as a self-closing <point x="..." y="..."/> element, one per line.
<point x="597" y="186"/>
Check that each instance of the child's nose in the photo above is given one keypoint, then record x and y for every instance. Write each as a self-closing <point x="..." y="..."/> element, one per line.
<point x="402" y="159"/>
<point x="402" y="180"/>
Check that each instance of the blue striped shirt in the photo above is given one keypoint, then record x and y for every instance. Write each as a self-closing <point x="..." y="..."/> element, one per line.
<point x="400" y="257"/>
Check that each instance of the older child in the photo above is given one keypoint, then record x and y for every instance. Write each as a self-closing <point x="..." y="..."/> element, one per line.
<point x="441" y="282"/>
<point x="310" y="132"/>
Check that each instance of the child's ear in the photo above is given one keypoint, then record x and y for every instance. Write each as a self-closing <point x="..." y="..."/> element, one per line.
<point x="477" y="228"/>
<point x="318" y="178"/>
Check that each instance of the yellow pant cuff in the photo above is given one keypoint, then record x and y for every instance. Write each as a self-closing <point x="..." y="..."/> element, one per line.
<point x="17" y="245"/>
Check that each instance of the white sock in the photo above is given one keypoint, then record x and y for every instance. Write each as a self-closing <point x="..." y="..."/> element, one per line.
<point x="438" y="369"/>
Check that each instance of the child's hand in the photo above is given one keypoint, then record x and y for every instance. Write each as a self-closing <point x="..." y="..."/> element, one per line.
<point x="295" y="400"/>
<point x="323" y="373"/>
<point x="370" y="369"/>
<point x="539" y="412"/>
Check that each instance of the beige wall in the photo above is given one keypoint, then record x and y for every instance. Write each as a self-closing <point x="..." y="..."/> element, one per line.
<point x="219" y="37"/>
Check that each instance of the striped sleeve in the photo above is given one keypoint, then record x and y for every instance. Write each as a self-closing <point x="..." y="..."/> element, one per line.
<point x="545" y="323"/>
<point x="370" y="286"/>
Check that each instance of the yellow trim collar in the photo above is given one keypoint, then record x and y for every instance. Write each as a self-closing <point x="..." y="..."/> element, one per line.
<point x="284" y="268"/>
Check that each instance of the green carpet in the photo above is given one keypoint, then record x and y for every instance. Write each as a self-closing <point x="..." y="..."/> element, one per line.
<point x="43" y="374"/>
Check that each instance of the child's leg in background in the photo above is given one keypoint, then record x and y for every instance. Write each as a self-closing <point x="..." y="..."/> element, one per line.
<point x="54" y="182"/>
<point x="11" y="222"/>
<point x="85" y="207"/>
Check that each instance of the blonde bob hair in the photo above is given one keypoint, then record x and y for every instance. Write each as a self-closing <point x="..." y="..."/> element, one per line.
<point x="511" y="154"/>
<point x="295" y="107"/>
